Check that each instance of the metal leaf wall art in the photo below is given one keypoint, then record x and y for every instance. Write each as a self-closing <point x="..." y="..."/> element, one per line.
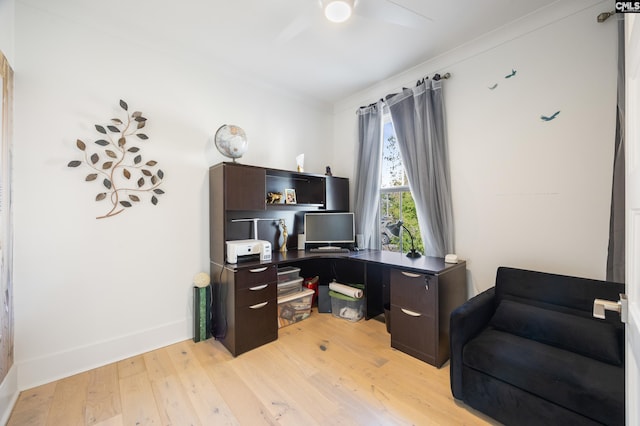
<point x="116" y="164"/>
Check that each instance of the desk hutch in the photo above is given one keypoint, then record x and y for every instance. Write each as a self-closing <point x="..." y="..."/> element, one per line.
<point x="421" y="292"/>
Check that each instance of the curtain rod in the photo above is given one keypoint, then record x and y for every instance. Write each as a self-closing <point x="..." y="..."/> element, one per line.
<point x="435" y="77"/>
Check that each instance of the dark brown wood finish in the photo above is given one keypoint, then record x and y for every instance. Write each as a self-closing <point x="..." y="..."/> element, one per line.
<point x="337" y="190"/>
<point x="421" y="304"/>
<point x="246" y="307"/>
<point x="239" y="191"/>
<point x="245" y="294"/>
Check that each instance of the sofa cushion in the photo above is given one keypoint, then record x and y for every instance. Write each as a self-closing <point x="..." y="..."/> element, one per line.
<point x="592" y="338"/>
<point x="584" y="385"/>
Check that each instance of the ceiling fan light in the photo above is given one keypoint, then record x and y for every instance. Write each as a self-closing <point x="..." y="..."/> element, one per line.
<point x="338" y="10"/>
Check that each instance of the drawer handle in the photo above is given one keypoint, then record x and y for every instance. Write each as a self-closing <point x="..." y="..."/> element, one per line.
<point x="258" y="287"/>
<point x="409" y="274"/>
<point x="411" y="313"/>
<point x="259" y="305"/>
<point x="258" y="270"/>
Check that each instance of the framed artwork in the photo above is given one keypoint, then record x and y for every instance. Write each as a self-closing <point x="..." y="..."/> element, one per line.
<point x="290" y="196"/>
<point x="6" y="219"/>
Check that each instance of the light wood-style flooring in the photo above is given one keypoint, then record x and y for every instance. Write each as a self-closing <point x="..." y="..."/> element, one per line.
<point x="321" y="371"/>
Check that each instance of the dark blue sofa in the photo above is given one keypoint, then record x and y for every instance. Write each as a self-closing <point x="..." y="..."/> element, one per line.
<point x="529" y="352"/>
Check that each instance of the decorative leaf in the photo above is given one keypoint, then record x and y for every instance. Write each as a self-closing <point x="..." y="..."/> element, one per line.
<point x="158" y="191"/>
<point x="101" y="129"/>
<point x="125" y="203"/>
<point x="151" y="163"/>
<point x="91" y="177"/>
<point x="160" y="174"/>
<point x="154" y="180"/>
<point x="133" y="149"/>
<point x="154" y="200"/>
<point x="137" y="159"/>
<point x="142" y="136"/>
<point x="107" y="165"/>
<point x="74" y="163"/>
<point x="102" y="142"/>
<point x="140" y="182"/>
<point x="136" y="114"/>
<point x="101" y="196"/>
<point x="110" y="153"/>
<point x="95" y="158"/>
<point x="141" y="124"/>
<point x="140" y="119"/>
<point x="107" y="183"/>
<point x="126" y="173"/>
<point x="134" y="198"/>
<point x="117" y="121"/>
<point x="81" y="146"/>
<point x="114" y="129"/>
<point x="146" y="172"/>
<point x="122" y="141"/>
<point x="124" y="105"/>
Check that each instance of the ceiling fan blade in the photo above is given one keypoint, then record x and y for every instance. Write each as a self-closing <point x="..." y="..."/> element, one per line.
<point x="392" y="12"/>
<point x="297" y="26"/>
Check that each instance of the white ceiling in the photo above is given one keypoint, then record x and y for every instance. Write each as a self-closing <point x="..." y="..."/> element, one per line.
<point x="289" y="44"/>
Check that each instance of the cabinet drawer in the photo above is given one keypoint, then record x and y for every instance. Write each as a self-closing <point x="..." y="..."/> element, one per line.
<point x="256" y="325"/>
<point x="416" y="292"/>
<point x="257" y="294"/>
<point x="413" y="333"/>
<point x="251" y="277"/>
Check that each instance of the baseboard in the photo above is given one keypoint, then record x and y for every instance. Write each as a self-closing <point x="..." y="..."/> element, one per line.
<point x="8" y="394"/>
<point x="48" y="368"/>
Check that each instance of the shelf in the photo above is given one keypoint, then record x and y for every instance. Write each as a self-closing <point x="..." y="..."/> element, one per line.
<point x="294" y="206"/>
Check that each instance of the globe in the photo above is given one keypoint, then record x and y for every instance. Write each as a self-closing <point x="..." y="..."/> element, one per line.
<point x="231" y="141"/>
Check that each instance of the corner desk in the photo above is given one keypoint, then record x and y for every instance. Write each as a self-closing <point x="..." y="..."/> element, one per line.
<point x="421" y="294"/>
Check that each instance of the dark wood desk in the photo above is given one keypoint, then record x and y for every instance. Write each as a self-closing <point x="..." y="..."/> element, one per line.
<point x="421" y="294"/>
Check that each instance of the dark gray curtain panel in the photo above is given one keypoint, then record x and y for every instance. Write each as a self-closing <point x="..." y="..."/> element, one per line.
<point x="368" y="169"/>
<point x="419" y="122"/>
<point x="616" y="254"/>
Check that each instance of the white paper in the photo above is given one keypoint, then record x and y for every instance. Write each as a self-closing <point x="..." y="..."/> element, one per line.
<point x="346" y="290"/>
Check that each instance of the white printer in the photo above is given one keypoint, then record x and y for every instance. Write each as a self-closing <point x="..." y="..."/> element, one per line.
<point x="239" y="248"/>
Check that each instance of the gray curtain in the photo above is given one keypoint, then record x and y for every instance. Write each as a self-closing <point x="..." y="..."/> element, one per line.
<point x="368" y="169"/>
<point x="419" y="122"/>
<point x="616" y="255"/>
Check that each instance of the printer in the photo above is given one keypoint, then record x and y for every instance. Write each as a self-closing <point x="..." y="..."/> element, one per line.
<point x="241" y="248"/>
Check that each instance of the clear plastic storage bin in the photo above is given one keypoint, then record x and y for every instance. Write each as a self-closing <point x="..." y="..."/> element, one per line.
<point x="346" y="307"/>
<point x="288" y="273"/>
<point x="294" y="307"/>
<point x="289" y="287"/>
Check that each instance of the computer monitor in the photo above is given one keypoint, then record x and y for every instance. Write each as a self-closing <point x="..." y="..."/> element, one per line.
<point x="329" y="228"/>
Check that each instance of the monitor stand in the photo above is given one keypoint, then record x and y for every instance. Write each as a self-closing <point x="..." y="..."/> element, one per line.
<point x="331" y="248"/>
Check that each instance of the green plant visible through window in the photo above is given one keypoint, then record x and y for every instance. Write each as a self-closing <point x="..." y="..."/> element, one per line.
<point x="396" y="201"/>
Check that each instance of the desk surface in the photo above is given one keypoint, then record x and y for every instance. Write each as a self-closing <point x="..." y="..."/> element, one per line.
<point x="424" y="264"/>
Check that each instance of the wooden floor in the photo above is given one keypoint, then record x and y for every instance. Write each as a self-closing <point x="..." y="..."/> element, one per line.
<point x="323" y="370"/>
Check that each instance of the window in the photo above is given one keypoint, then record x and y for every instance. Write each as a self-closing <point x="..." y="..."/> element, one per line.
<point x="396" y="202"/>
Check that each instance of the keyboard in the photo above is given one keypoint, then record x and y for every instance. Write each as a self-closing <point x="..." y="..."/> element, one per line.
<point x="329" y="250"/>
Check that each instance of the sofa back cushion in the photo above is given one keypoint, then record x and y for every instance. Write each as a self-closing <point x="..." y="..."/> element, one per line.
<point x="592" y="338"/>
<point x="571" y="294"/>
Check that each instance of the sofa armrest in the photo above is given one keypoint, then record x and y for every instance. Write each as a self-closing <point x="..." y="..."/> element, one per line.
<point x="466" y="322"/>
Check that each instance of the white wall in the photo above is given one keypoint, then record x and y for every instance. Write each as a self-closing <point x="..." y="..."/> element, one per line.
<point x="526" y="193"/>
<point x="7" y="30"/>
<point x="89" y="291"/>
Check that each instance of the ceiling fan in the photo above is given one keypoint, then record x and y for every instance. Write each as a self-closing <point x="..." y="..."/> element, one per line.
<point x="342" y="12"/>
